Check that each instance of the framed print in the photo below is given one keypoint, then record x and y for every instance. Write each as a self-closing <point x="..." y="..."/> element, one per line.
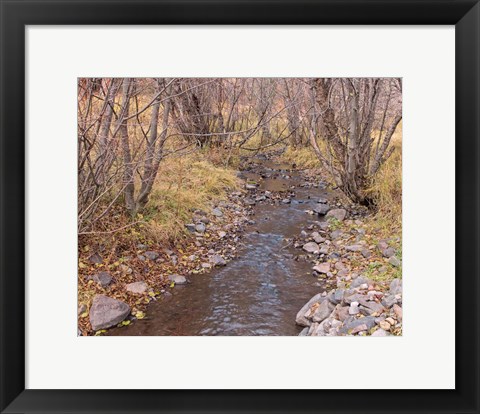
<point x="268" y="207"/>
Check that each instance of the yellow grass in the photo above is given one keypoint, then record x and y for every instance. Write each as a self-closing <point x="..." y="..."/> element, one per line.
<point x="304" y="157"/>
<point x="183" y="185"/>
<point x="386" y="188"/>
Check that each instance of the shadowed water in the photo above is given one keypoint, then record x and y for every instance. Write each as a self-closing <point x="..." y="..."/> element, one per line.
<point x="258" y="293"/>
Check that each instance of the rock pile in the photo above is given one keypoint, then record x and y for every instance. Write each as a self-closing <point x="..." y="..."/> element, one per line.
<point x="359" y="310"/>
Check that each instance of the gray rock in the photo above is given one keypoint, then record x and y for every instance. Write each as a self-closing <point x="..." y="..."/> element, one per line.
<point x="300" y="318"/>
<point x="125" y="269"/>
<point x="200" y="228"/>
<point x="217" y="260"/>
<point x="341" y="312"/>
<point x="396" y="287"/>
<point x="389" y="300"/>
<point x="322" y="200"/>
<point x="222" y="234"/>
<point x="360" y="281"/>
<point x="102" y="278"/>
<point x="337" y="296"/>
<point x="311" y="247"/>
<point x="354" y="248"/>
<point x="394" y="261"/>
<point x="107" y="312"/>
<point x="286" y="201"/>
<point x="321" y="209"/>
<point x="323" y="250"/>
<point x="177" y="279"/>
<point x="304" y="332"/>
<point x="317" y="238"/>
<point x="251" y="186"/>
<point x="398" y="312"/>
<point x="356" y="297"/>
<point x="371" y="307"/>
<point x="95" y="259"/>
<point x="151" y="255"/>
<point x="354" y="309"/>
<point x="141" y="246"/>
<point x="388" y="252"/>
<point x="351" y="323"/>
<point x="382" y="245"/>
<point x="190" y="227"/>
<point x="380" y="332"/>
<point x="137" y="288"/>
<point x="338" y="213"/>
<point x="366" y="253"/>
<point x="323" y="311"/>
<point x="335" y="234"/>
<point x="322" y="268"/>
<point x="217" y="212"/>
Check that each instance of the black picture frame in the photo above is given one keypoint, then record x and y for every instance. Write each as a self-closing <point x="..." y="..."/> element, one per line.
<point x="16" y="15"/>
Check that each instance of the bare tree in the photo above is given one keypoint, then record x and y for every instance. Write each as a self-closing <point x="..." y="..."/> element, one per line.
<point x="357" y="119"/>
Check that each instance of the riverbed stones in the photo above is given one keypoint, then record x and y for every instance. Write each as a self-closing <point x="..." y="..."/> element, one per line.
<point x="106" y="312"/>
<point x="337" y="296"/>
<point x="351" y="323"/>
<point x="321" y="209"/>
<point x="388" y="252"/>
<point x="398" y="312"/>
<point x="177" y="279"/>
<point x="394" y="261"/>
<point x="337" y="213"/>
<point x="301" y="318"/>
<point x="323" y="311"/>
<point x="366" y="253"/>
<point x="360" y="281"/>
<point x="389" y="300"/>
<point x="380" y="333"/>
<point x="217" y="212"/>
<point x="151" y="255"/>
<point x="190" y="227"/>
<point x="311" y="247"/>
<point x="384" y="325"/>
<point x="95" y="259"/>
<point x="354" y="248"/>
<point x="217" y="260"/>
<point x="200" y="228"/>
<point x="317" y="237"/>
<point x="137" y="288"/>
<point x="354" y="309"/>
<point x="102" y="278"/>
<point x="395" y="287"/>
<point x="322" y="268"/>
<point x="322" y="200"/>
<point x="372" y="308"/>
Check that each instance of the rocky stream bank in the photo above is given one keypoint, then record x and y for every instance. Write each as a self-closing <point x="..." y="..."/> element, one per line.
<point x="289" y="238"/>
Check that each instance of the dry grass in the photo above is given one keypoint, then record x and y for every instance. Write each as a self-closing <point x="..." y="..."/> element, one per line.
<point x="304" y="157"/>
<point x="386" y="189"/>
<point x="184" y="184"/>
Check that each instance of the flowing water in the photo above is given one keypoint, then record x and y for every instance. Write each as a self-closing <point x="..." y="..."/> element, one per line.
<point x="259" y="292"/>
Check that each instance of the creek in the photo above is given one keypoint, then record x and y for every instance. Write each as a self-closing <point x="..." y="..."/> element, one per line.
<point x="259" y="292"/>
